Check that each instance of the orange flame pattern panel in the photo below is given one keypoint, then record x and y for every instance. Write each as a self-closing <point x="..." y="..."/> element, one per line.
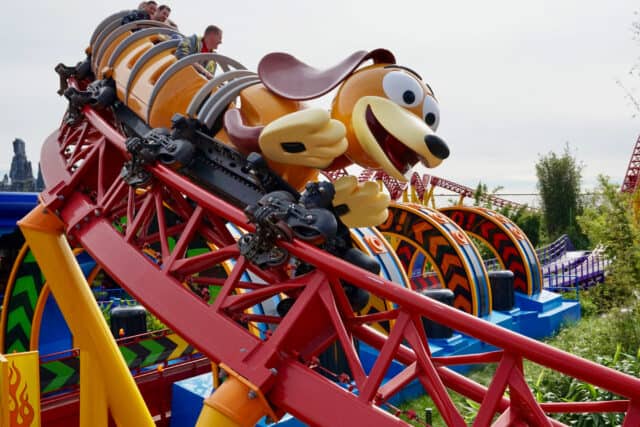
<point x="21" y="412"/>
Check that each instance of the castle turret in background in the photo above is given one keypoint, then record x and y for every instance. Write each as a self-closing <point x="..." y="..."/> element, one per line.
<point x="21" y="174"/>
<point x="39" y="180"/>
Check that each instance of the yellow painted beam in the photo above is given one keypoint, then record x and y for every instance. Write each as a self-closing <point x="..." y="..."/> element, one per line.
<point x="43" y="232"/>
<point x="429" y="197"/>
<point x="210" y="417"/>
<point x="93" y="402"/>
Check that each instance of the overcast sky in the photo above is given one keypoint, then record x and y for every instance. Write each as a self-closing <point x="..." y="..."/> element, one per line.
<point x="514" y="79"/>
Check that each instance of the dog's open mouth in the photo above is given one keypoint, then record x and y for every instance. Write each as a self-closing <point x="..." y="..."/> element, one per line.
<point x="402" y="157"/>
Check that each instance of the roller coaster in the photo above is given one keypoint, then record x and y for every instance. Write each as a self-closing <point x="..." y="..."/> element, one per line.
<point x="141" y="172"/>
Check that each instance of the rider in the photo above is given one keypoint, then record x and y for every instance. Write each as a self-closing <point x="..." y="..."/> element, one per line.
<point x="146" y="10"/>
<point x="209" y="42"/>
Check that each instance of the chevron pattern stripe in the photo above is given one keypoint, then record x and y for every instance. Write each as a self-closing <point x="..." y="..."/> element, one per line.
<point x="413" y="230"/>
<point x="389" y="270"/>
<point x="477" y="223"/>
<point x="22" y="298"/>
<point x="59" y="374"/>
<point x="155" y="350"/>
<point x="65" y="372"/>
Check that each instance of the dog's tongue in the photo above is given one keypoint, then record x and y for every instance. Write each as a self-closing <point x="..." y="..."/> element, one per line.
<point x="400" y="155"/>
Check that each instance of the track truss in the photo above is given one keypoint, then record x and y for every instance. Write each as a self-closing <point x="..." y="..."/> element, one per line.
<point x="141" y="238"/>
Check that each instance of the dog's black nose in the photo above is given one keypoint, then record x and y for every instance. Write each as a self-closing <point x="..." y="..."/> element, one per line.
<point x="437" y="146"/>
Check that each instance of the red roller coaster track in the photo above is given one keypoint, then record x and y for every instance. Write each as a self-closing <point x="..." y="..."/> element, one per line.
<point x="633" y="170"/>
<point x="420" y="183"/>
<point x="126" y="231"/>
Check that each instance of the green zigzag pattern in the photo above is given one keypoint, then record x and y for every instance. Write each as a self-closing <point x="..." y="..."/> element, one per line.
<point x="63" y="373"/>
<point x="22" y="303"/>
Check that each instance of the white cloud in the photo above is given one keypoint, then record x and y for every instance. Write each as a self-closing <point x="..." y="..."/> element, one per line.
<point x="515" y="79"/>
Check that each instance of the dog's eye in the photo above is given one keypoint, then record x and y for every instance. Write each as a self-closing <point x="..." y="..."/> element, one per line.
<point x="431" y="112"/>
<point x="402" y="89"/>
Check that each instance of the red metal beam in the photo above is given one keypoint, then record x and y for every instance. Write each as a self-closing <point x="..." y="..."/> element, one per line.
<point x="630" y="182"/>
<point x="281" y="364"/>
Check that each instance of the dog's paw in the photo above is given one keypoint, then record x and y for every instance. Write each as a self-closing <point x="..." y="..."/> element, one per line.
<point x="306" y="138"/>
<point x="360" y="205"/>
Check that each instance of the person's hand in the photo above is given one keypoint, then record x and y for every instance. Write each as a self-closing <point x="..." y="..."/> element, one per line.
<point x="199" y="68"/>
<point x="307" y="138"/>
<point x="360" y="204"/>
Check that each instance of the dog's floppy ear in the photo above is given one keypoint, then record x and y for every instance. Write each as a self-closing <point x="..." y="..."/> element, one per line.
<point x="290" y="78"/>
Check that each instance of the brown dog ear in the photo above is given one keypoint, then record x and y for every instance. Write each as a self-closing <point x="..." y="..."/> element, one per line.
<point x="290" y="78"/>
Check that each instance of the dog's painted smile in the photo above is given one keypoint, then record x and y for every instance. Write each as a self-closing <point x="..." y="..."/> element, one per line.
<point x="402" y="157"/>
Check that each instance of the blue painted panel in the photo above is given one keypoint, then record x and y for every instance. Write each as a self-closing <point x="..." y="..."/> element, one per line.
<point x="18" y="203"/>
<point x="55" y="335"/>
<point x="14" y="206"/>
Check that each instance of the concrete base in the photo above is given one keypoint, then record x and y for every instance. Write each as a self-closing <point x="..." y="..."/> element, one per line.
<point x="545" y="313"/>
<point x="187" y="397"/>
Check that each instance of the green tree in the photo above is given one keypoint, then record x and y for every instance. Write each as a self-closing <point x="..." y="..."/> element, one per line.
<point x="481" y="193"/>
<point x="608" y="220"/>
<point x="528" y="220"/>
<point x="559" y="178"/>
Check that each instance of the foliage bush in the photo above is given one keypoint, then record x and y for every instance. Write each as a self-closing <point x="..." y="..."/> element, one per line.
<point x="608" y="220"/>
<point x="153" y="323"/>
<point x="552" y="387"/>
<point x="559" y="181"/>
<point x="467" y="407"/>
<point x="529" y="221"/>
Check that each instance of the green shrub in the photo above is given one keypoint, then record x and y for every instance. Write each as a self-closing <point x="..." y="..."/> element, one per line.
<point x="530" y="222"/>
<point x="588" y="303"/>
<point x="552" y="387"/>
<point x="609" y="222"/>
<point x="483" y="374"/>
<point x="483" y="249"/>
<point x="153" y="323"/>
